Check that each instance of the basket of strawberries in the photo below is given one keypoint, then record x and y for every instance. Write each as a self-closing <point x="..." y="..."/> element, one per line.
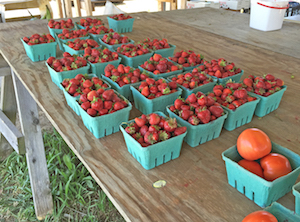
<point x="121" y="23"/>
<point x="188" y="59"/>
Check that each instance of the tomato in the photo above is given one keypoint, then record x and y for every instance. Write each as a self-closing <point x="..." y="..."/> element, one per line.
<point x="260" y="216"/>
<point x="253" y="144"/>
<point x="252" y="166"/>
<point x="275" y="165"/>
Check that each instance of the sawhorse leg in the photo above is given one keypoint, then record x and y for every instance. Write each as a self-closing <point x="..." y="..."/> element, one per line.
<point x="33" y="146"/>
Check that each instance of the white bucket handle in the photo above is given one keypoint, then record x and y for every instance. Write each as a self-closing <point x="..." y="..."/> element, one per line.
<point x="273" y="7"/>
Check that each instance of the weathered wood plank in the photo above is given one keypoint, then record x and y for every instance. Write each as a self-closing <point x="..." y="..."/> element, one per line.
<point x="13" y="136"/>
<point x="197" y="188"/>
<point x="88" y="7"/>
<point x="77" y="7"/>
<point x="68" y="8"/>
<point x="4" y="71"/>
<point x="8" y="106"/>
<point x="35" y="151"/>
<point x="59" y="8"/>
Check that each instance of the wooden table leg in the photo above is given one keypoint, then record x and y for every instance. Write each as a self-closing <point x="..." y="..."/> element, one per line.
<point x="35" y="151"/>
<point x="8" y="106"/>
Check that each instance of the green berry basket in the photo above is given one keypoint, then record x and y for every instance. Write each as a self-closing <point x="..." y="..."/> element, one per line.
<point x="203" y="88"/>
<point x="57" y="31"/>
<point x="296" y="193"/>
<point x="98" y="68"/>
<point x="268" y="104"/>
<point x="40" y="52"/>
<point x="241" y="116"/>
<point x="281" y="213"/>
<point x="166" y="52"/>
<point x="148" y="106"/>
<point x="201" y="133"/>
<point x="121" y="26"/>
<point x="234" y="78"/>
<point x="105" y="125"/>
<point x="156" y="154"/>
<point x="75" y="52"/>
<point x="72" y="100"/>
<point x="96" y="37"/>
<point x="136" y="60"/>
<point x="58" y="77"/>
<point x="257" y="189"/>
<point x="114" y="47"/>
<point x="161" y="75"/>
<point x="124" y="90"/>
<point x="62" y="41"/>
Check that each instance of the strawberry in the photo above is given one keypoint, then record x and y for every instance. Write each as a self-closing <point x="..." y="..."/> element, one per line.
<point x="178" y="103"/>
<point x="204" y="115"/>
<point x="151" y="137"/>
<point x="180" y="130"/>
<point x="193" y="120"/>
<point x="170" y="125"/>
<point x="164" y="135"/>
<point x="154" y="119"/>
<point x="217" y="111"/>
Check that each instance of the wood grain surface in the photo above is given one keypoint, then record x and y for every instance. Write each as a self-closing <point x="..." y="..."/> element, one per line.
<point x="197" y="188"/>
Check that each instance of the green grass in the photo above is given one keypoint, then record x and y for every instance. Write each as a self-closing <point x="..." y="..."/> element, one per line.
<point x="76" y="195"/>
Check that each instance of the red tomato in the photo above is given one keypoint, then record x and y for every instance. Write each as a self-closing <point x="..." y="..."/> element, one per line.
<point x="253" y="144"/>
<point x="260" y="216"/>
<point x="252" y="166"/>
<point x="275" y="165"/>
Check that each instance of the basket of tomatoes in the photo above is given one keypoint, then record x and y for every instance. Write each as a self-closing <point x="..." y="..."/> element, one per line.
<point x="260" y="169"/>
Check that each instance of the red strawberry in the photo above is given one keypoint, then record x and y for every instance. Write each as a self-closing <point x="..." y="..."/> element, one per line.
<point x="154" y="119"/>
<point x="240" y="93"/>
<point x="140" y="121"/>
<point x="217" y="111"/>
<point x="204" y="116"/>
<point x="151" y="137"/>
<point x="170" y="125"/>
<point x="91" y="112"/>
<point x="180" y="130"/>
<point x="193" y="120"/>
<point x="178" y="103"/>
<point x="164" y="135"/>
<point x="145" y="91"/>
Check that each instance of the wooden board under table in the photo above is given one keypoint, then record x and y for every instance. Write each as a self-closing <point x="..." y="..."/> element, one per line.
<point x="197" y="188"/>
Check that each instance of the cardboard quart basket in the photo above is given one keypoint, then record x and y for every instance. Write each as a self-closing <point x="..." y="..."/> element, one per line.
<point x="72" y="100"/>
<point x="136" y="60"/>
<point x="241" y="116"/>
<point x="296" y="193"/>
<point x="161" y="75"/>
<point x="121" y="26"/>
<point x="268" y="104"/>
<point x="281" y="213"/>
<point x="40" y="52"/>
<point x="257" y="189"/>
<point x="98" y="68"/>
<point x="155" y="154"/>
<point x="124" y="90"/>
<point x="58" y="77"/>
<point x="166" y="52"/>
<point x="234" y="78"/>
<point x="201" y="133"/>
<point x="62" y="41"/>
<point x="115" y="46"/>
<point x="105" y="125"/>
<point x="148" y="106"/>
<point x="203" y="88"/>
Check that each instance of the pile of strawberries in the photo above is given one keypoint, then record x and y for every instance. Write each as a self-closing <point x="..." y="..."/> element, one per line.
<point x="187" y="58"/>
<point x="62" y="24"/>
<point x="82" y="84"/>
<point x="219" y="68"/>
<point x="87" y="22"/>
<point x="99" y="55"/>
<point x="158" y="64"/>
<point x="66" y="63"/>
<point x="152" y="128"/>
<point x="156" y="44"/>
<point x="38" y="39"/>
<point x="197" y="108"/>
<point x="124" y="74"/>
<point x="72" y="34"/>
<point x="113" y="38"/>
<point x="98" y="103"/>
<point x="81" y="44"/>
<point x="132" y="50"/>
<point x="99" y="30"/>
<point x="232" y="95"/>
<point x="152" y="88"/>
<point x="120" y="17"/>
<point x="191" y="80"/>
<point x="263" y="85"/>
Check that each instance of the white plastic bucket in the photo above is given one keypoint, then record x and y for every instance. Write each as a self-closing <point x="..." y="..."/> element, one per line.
<point x="267" y="15"/>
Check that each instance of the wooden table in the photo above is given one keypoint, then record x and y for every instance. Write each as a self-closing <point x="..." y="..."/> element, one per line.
<point x="197" y="188"/>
